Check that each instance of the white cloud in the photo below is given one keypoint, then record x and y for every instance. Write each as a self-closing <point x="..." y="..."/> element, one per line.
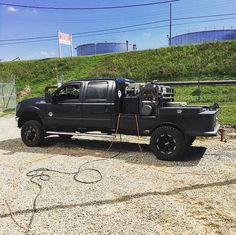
<point x="147" y="34"/>
<point x="41" y="54"/>
<point x="46" y="53"/>
<point x="12" y="9"/>
<point x="34" y="12"/>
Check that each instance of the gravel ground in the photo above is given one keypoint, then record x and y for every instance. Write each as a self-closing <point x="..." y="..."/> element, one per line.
<point x="137" y="195"/>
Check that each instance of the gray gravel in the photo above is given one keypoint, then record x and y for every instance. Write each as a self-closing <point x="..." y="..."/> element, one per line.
<point x="138" y="194"/>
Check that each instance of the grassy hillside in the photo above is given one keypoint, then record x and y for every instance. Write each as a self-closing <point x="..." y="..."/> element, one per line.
<point x="210" y="61"/>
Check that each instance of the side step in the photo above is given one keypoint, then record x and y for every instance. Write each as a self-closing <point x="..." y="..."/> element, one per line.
<point x="92" y="134"/>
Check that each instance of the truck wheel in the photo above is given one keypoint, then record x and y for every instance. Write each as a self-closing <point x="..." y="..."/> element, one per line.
<point x="65" y="137"/>
<point x="167" y="143"/>
<point x="32" y="133"/>
<point x="190" y="140"/>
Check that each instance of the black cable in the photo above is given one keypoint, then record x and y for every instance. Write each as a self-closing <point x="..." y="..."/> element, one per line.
<point x="88" y="8"/>
<point x="42" y="174"/>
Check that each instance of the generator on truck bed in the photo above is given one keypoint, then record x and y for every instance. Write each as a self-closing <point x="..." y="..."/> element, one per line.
<point x="119" y="105"/>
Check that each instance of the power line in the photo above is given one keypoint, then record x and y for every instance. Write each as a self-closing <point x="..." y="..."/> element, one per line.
<point x="88" y="8"/>
<point x="156" y="27"/>
<point x="153" y="12"/>
<point x="117" y="28"/>
<point x="87" y="32"/>
<point x="204" y="16"/>
<point x="123" y="31"/>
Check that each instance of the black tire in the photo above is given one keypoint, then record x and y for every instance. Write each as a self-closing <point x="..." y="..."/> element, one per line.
<point x="190" y="140"/>
<point x="65" y="137"/>
<point x="167" y="143"/>
<point x="32" y="133"/>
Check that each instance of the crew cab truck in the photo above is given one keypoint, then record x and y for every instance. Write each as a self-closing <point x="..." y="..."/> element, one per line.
<point x="119" y="105"/>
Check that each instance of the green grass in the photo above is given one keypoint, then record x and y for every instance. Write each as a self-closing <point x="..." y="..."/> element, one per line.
<point x="227" y="113"/>
<point x="225" y="96"/>
<point x="7" y="112"/>
<point x="209" y="61"/>
<point x="207" y="94"/>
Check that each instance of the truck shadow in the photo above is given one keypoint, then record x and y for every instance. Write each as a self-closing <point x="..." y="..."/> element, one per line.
<point x="129" y="152"/>
<point x="125" y="198"/>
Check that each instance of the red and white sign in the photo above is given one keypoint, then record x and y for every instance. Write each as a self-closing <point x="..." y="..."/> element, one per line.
<point x="64" y="38"/>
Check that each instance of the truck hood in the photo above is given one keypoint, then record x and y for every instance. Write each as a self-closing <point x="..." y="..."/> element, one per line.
<point x="32" y="101"/>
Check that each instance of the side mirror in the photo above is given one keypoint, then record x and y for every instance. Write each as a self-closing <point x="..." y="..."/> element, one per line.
<point x="48" y="97"/>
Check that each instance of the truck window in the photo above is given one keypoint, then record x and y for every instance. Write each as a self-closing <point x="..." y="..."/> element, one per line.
<point x="97" y="91"/>
<point x="69" y="93"/>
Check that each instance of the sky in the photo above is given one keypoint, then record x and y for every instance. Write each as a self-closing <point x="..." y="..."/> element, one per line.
<point x="18" y="22"/>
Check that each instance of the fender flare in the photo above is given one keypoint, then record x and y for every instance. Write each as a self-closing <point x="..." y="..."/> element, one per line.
<point x="30" y="109"/>
<point x="178" y="127"/>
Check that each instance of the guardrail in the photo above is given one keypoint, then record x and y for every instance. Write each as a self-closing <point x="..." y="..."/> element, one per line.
<point x="192" y="83"/>
<point x="199" y="85"/>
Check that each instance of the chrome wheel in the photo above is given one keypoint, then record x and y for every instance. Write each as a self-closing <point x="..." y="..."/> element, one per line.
<point x="166" y="143"/>
<point x="30" y="134"/>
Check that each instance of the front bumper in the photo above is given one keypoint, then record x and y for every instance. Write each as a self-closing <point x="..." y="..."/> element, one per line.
<point x="207" y="133"/>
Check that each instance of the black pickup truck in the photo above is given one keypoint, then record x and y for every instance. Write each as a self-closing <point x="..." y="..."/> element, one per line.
<point x="120" y="105"/>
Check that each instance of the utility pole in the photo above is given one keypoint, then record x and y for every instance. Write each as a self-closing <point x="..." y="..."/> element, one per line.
<point x="127" y="46"/>
<point x="170" y="33"/>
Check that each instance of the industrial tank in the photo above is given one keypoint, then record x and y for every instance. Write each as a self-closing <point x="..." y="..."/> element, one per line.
<point x="204" y="36"/>
<point x="104" y="47"/>
<point x="86" y="49"/>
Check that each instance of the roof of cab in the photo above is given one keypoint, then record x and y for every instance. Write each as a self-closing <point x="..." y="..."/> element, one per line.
<point x="118" y="80"/>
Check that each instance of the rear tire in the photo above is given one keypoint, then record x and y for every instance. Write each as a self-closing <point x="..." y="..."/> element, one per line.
<point x="167" y="143"/>
<point x="32" y="133"/>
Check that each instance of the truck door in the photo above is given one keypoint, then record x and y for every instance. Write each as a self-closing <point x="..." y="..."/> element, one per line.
<point x="65" y="111"/>
<point x="98" y="105"/>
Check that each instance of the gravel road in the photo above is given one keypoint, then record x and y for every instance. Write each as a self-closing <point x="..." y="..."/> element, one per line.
<point x="137" y="195"/>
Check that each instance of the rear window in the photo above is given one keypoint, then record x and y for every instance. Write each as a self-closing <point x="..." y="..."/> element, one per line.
<point x="97" y="91"/>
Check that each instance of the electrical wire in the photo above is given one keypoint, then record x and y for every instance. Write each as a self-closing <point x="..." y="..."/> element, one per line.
<point x="123" y="31"/>
<point x="123" y="27"/>
<point x="8" y="201"/>
<point x="88" y="8"/>
<point x="42" y="175"/>
<point x="137" y="126"/>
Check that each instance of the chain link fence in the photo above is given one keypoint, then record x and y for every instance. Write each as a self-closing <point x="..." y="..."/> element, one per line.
<point x="7" y="96"/>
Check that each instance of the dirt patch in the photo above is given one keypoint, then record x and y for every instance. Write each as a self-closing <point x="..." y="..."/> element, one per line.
<point x="25" y="92"/>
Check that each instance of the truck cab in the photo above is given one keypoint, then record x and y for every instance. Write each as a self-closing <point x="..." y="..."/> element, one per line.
<point x="118" y="105"/>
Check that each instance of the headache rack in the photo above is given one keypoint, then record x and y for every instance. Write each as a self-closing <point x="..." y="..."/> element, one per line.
<point x="165" y="94"/>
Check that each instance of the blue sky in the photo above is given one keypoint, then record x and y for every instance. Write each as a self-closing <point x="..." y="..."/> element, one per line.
<point x="21" y="22"/>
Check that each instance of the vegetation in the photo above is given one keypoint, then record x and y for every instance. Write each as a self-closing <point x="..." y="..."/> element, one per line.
<point x="225" y="96"/>
<point x="6" y="112"/>
<point x="209" y="61"/>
